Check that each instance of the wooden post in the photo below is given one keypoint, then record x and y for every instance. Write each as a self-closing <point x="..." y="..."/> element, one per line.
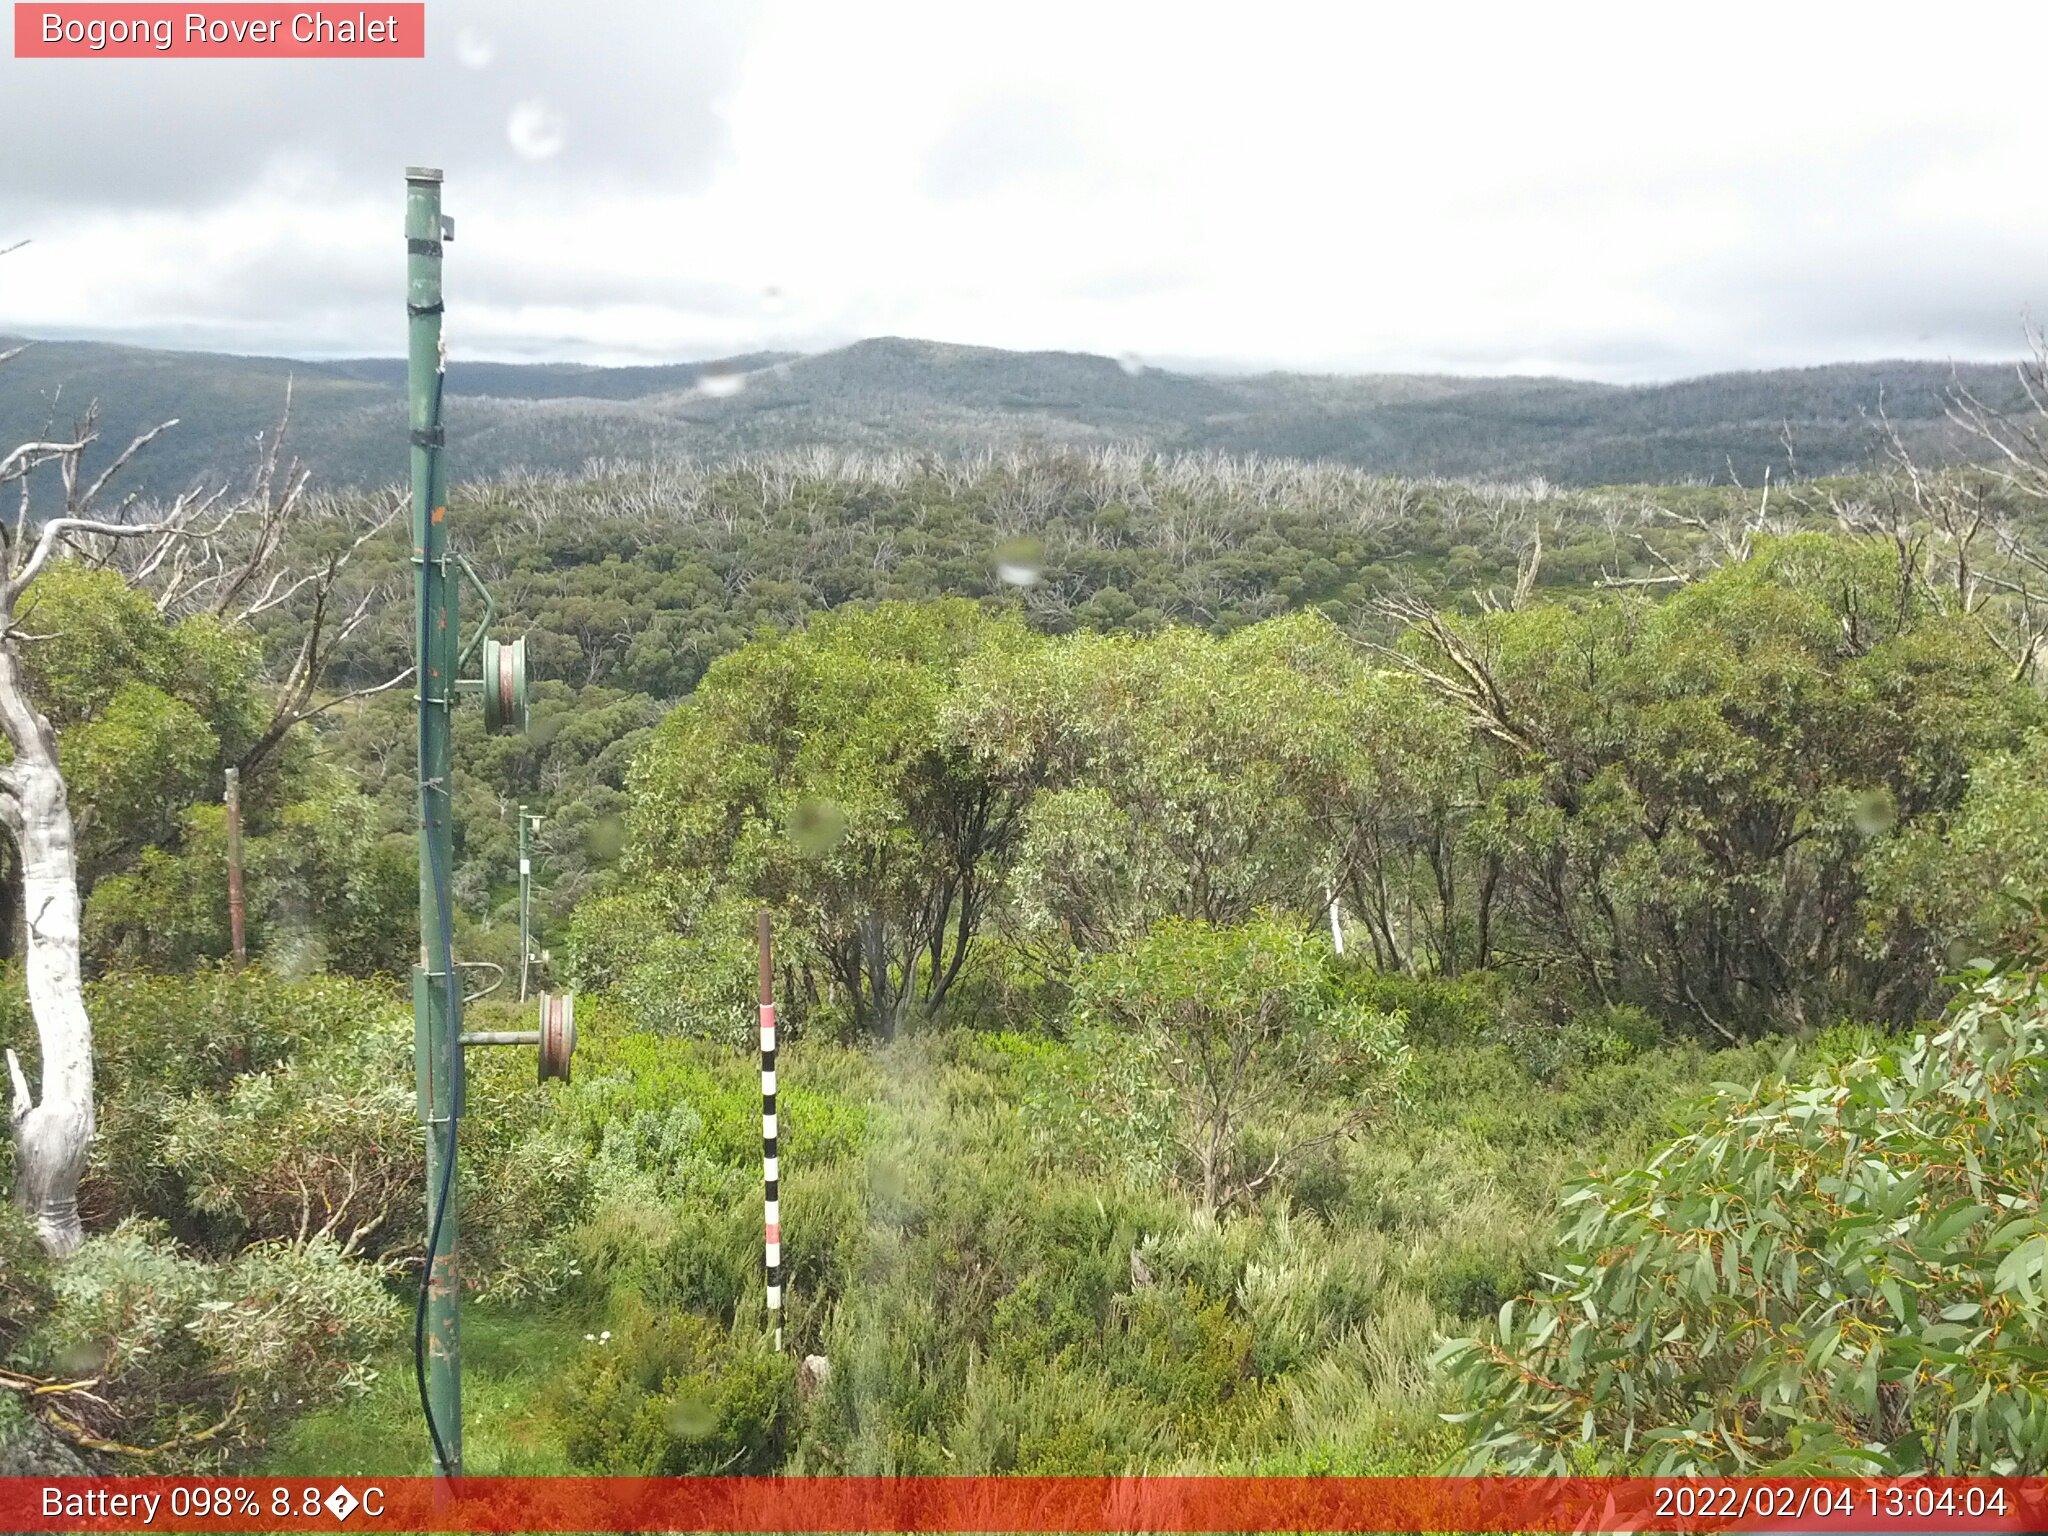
<point x="237" y="937"/>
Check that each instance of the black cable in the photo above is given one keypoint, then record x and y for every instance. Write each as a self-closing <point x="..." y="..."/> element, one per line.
<point x="443" y="910"/>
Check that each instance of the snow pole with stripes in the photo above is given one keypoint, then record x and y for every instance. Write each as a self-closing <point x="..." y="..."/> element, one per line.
<point x="772" y="1207"/>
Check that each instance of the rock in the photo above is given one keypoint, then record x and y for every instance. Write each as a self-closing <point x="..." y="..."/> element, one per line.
<point x="812" y="1375"/>
<point x="27" y="1449"/>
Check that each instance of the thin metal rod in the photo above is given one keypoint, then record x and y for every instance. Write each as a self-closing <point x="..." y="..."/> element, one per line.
<point x="502" y="1037"/>
<point x="525" y="909"/>
<point x="771" y="1164"/>
<point x="238" y="945"/>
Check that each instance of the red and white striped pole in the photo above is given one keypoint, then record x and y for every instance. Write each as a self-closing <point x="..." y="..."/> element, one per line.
<point x="772" y="1209"/>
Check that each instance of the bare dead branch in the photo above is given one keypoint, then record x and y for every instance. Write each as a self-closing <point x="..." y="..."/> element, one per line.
<point x="122" y="459"/>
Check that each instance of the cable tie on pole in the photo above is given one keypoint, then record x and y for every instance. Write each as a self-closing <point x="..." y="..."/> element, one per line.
<point x="418" y="310"/>
<point x="430" y="437"/>
<point x="423" y="247"/>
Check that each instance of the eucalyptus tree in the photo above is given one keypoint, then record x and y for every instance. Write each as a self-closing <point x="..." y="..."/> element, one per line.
<point x="813" y="773"/>
<point x="1690" y="799"/>
<point x="1389" y="779"/>
<point x="1169" y="774"/>
<point x="1766" y="1295"/>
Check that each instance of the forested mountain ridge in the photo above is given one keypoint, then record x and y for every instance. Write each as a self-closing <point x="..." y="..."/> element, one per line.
<point x="893" y="393"/>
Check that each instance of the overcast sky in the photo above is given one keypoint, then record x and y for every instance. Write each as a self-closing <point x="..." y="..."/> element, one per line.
<point x="1616" y="192"/>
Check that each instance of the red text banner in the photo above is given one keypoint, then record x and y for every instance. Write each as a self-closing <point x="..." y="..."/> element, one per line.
<point x="962" y="1504"/>
<point x="234" y="31"/>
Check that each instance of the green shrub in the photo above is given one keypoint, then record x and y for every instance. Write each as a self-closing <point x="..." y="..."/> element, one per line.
<point x="198" y="1031"/>
<point x="700" y="983"/>
<point x="1181" y="1350"/>
<point x="1440" y="1010"/>
<point x="711" y="1261"/>
<point x="295" y="1324"/>
<point x="162" y="1043"/>
<point x="203" y="1359"/>
<point x="704" y="1103"/>
<point x="676" y="1396"/>
<point x="618" y="1248"/>
<point x="1610" y="1034"/>
<point x="25" y="1293"/>
<point x="325" y="1144"/>
<point x="673" y="1132"/>
<point x="1052" y="1420"/>
<point x="1001" y="988"/>
<point x="1368" y="1407"/>
<point x="1555" y="1045"/>
<point x="1469" y="1275"/>
<point x="1229" y="1051"/>
<point x="1041" y="1321"/>
<point x="1839" y="1275"/>
<point x="328" y="1143"/>
<point x="1480" y="1009"/>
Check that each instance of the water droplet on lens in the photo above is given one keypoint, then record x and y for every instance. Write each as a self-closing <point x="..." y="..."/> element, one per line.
<point x="691" y="1418"/>
<point x="1873" y="813"/>
<point x="1131" y="363"/>
<point x="721" y="386"/>
<point x="771" y="299"/>
<point x="817" y="827"/>
<point x="536" y="130"/>
<point x="886" y="1180"/>
<point x="1020" y="562"/>
<point x="473" y="49"/>
<point x="606" y="838"/>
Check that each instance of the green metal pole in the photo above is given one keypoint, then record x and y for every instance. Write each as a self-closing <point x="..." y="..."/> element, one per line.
<point x="525" y="896"/>
<point x="436" y="1006"/>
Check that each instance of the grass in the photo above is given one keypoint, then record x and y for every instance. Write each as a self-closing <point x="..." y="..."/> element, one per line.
<point x="511" y="1355"/>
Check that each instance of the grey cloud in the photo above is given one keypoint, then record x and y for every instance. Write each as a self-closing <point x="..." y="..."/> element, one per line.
<point x="1827" y="266"/>
<point x="1125" y="283"/>
<point x="1875" y="293"/>
<point x="1000" y="144"/>
<point x="639" y="92"/>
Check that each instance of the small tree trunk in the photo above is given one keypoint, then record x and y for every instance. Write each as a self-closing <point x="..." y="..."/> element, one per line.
<point x="1212" y="1174"/>
<point x="238" y="946"/>
<point x="50" y="1134"/>
<point x="874" y="949"/>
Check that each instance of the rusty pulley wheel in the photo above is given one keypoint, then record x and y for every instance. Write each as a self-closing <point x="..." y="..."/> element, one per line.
<point x="557" y="1034"/>
<point x="504" y="687"/>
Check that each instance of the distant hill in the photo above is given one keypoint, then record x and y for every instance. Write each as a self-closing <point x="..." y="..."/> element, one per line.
<point x="348" y="416"/>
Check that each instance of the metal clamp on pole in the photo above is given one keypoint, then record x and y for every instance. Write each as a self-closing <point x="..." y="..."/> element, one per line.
<point x="504" y="686"/>
<point x="556" y="1036"/>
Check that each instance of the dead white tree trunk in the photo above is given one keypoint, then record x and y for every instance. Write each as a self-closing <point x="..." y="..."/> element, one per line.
<point x="51" y="1135"/>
